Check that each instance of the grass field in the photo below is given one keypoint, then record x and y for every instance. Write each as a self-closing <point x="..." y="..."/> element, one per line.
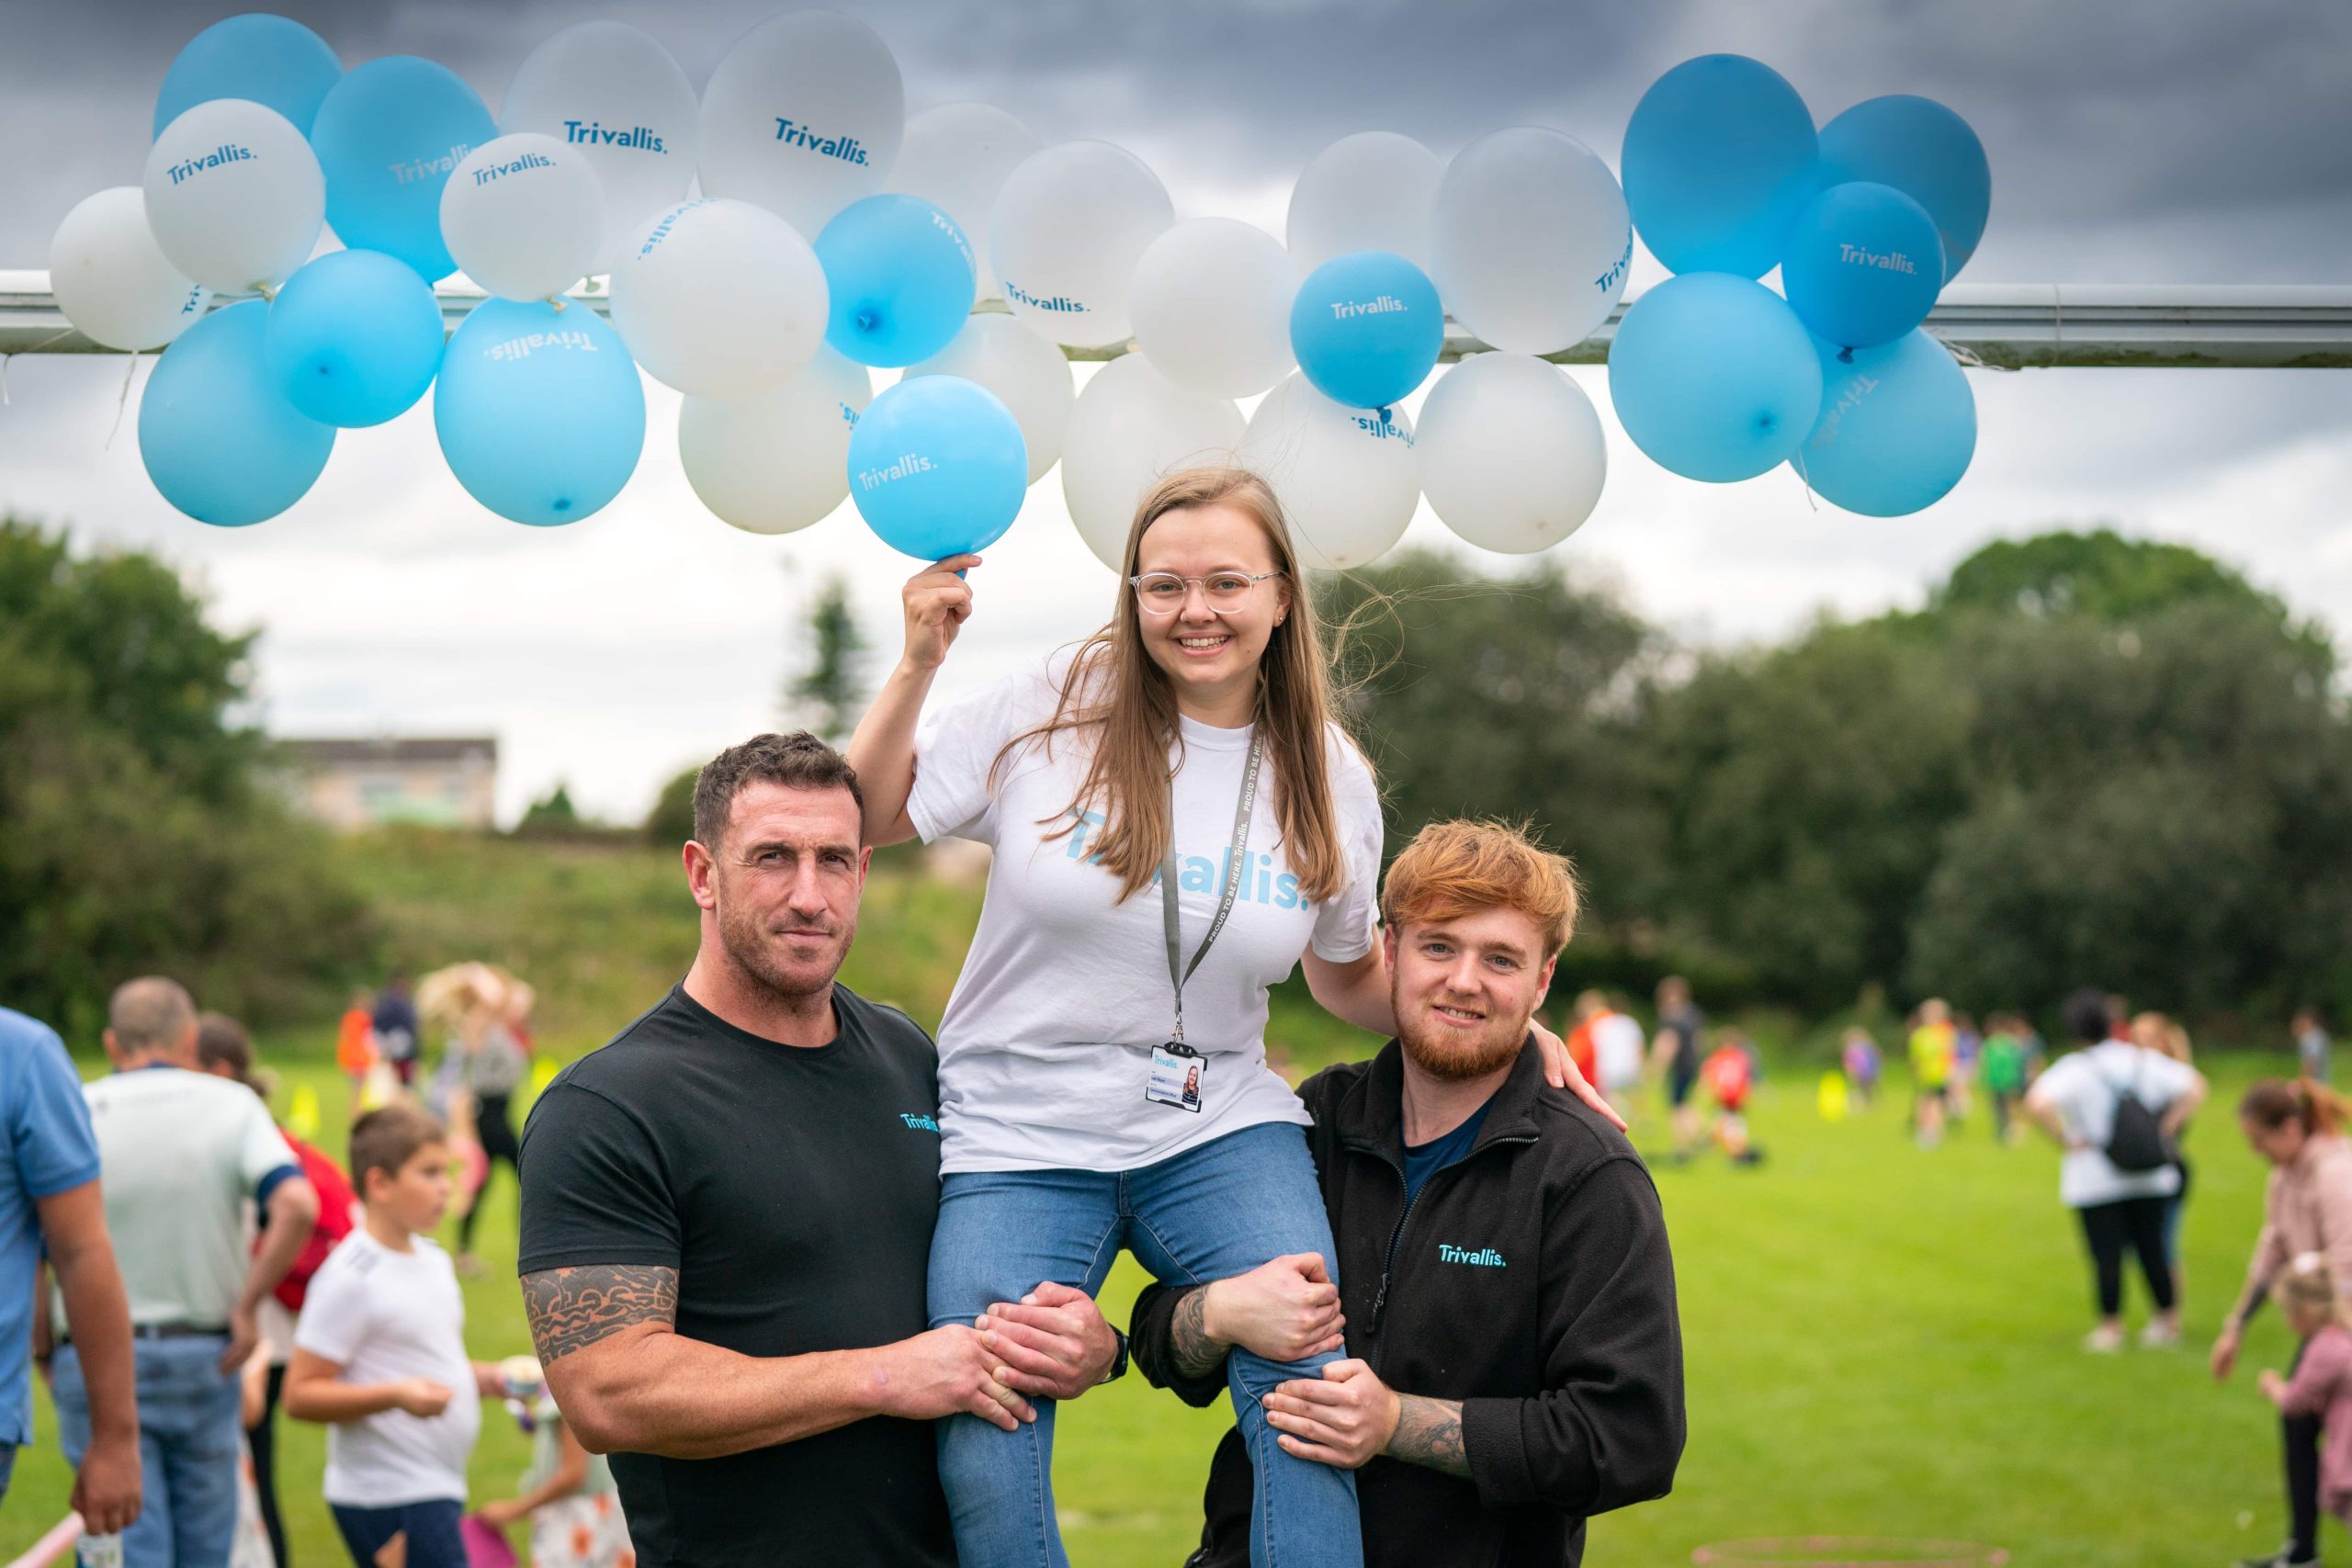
<point x="1879" y="1340"/>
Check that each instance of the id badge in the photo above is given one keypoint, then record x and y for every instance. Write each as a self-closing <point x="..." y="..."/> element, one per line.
<point x="1178" y="1074"/>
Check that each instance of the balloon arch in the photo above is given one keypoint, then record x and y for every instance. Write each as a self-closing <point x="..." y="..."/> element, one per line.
<point x="766" y="245"/>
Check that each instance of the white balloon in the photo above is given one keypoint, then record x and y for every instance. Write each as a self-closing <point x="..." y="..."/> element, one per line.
<point x="779" y="461"/>
<point x="1132" y="428"/>
<point x="111" y="280"/>
<point x="234" y="194"/>
<point x="523" y="216"/>
<point x="1070" y="224"/>
<point x="1027" y="374"/>
<point x="1211" y="307"/>
<point x="1344" y="476"/>
<point x="956" y="157"/>
<point x="1367" y="192"/>
<point x="803" y="117"/>
<point x="1509" y="453"/>
<point x="612" y="93"/>
<point x="1529" y="240"/>
<point x="720" y="299"/>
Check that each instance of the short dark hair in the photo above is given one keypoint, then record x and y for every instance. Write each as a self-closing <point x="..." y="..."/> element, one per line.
<point x="2086" y="1014"/>
<point x="388" y="1138"/>
<point x="798" y="761"/>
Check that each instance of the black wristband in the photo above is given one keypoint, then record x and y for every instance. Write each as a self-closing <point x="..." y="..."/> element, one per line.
<point x="1119" y="1363"/>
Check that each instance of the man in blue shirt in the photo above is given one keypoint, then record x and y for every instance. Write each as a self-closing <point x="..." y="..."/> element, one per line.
<point x="49" y="1198"/>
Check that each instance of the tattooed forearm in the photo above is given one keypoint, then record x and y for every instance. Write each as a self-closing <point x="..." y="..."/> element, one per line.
<point x="571" y="1309"/>
<point x="1197" y="1355"/>
<point x="1429" y="1431"/>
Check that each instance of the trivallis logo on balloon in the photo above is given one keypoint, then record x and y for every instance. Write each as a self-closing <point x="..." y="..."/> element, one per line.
<point x="792" y="133"/>
<point x="1020" y="296"/>
<point x="228" y="152"/>
<point x="1387" y="305"/>
<point x="639" y="137"/>
<point x="909" y="464"/>
<point x="1380" y="429"/>
<point x="1850" y="397"/>
<point x="496" y="171"/>
<point x="662" y="229"/>
<point x="1615" y="275"/>
<point x="521" y="347"/>
<point x="849" y="415"/>
<point x="415" y="169"/>
<point x="1892" y="260"/>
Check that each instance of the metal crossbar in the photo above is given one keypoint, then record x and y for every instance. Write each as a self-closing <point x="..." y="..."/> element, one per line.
<point x="2002" y="326"/>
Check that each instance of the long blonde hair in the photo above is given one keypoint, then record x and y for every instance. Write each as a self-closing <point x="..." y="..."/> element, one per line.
<point x="1113" y="689"/>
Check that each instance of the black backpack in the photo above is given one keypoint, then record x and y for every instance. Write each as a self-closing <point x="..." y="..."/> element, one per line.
<point x="2137" y="1143"/>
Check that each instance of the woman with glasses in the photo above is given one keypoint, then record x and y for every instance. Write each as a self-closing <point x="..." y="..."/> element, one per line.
<point x="1178" y="820"/>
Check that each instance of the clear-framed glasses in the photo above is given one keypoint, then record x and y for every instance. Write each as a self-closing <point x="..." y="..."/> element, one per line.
<point x="1163" y="593"/>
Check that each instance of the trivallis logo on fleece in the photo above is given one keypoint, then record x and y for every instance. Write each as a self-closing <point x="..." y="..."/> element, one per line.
<point x="909" y="464"/>
<point x="411" y="170"/>
<point x="226" y="152"/>
<point x="640" y="137"/>
<point x="792" y="133"/>
<point x="1485" y="1258"/>
<point x="499" y="171"/>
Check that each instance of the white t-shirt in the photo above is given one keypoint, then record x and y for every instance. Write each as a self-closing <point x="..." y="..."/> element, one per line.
<point x="383" y="1316"/>
<point x="2083" y="1089"/>
<point x="1047" y="1042"/>
<point x="182" y="1154"/>
<point x="1617" y="1050"/>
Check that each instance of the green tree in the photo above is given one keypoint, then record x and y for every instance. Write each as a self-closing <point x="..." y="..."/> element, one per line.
<point x="833" y="689"/>
<point x="553" y="814"/>
<point x="139" y="829"/>
<point x="672" y="821"/>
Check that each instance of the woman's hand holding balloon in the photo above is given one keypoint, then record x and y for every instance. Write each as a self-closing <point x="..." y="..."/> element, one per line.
<point x="938" y="601"/>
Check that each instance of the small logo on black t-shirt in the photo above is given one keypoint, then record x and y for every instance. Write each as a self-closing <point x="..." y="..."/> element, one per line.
<point x="917" y="1124"/>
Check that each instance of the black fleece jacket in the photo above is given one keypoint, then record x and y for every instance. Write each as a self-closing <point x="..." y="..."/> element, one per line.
<point x="1531" y="1280"/>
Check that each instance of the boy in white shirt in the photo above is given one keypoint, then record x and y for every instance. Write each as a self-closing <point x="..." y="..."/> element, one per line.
<point x="379" y="1353"/>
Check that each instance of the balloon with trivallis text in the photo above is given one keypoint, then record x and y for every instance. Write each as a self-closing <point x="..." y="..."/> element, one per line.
<point x="1029" y="375"/>
<point x="1070" y="224"/>
<point x="539" y="411"/>
<point x="1508" y="451"/>
<point x="936" y="467"/>
<point x="803" y="116"/>
<point x="1897" y="427"/>
<point x="1211" y="306"/>
<point x="898" y="275"/>
<point x="523" y="216"/>
<point x="621" y="101"/>
<point x="1530" y="243"/>
<point x="720" y="299"/>
<point x="1371" y="191"/>
<point x="233" y="196"/>
<point x="112" y="280"/>
<point x="1864" y="266"/>
<point x="777" y="461"/>
<point x="388" y="136"/>
<point x="1132" y="428"/>
<point x="956" y="157"/>
<point x="1344" y="475"/>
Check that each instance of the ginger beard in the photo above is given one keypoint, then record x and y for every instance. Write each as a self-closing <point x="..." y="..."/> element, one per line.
<point x="1465" y="988"/>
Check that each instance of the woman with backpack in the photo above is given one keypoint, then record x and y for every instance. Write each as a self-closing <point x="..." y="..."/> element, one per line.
<point x="2117" y="1110"/>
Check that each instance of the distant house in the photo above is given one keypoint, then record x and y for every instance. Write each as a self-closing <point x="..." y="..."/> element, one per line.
<point x="449" y="781"/>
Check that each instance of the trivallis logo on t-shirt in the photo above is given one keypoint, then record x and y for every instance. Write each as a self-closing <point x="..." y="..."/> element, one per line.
<point x="1260" y="883"/>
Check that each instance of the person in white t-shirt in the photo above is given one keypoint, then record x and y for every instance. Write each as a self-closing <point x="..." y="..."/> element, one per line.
<point x="1175" y="798"/>
<point x="2076" y="1101"/>
<point x="379" y="1353"/>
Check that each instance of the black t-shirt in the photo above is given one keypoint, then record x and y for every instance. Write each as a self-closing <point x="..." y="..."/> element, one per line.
<point x="793" y="1191"/>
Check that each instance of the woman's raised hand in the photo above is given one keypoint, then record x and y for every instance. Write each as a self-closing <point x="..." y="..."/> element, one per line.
<point x="938" y="601"/>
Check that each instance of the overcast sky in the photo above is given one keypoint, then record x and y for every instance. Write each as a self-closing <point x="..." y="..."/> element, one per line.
<point x="2163" y="140"/>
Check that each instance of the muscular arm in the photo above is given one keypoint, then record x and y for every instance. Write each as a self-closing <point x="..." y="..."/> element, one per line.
<point x="627" y="1380"/>
<point x="1429" y="1432"/>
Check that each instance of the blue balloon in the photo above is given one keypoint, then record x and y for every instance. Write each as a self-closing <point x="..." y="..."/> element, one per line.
<point x="901" y="279"/>
<point x="278" y="63"/>
<point x="354" y="338"/>
<point x="1713" y="376"/>
<point x="1720" y="157"/>
<point x="539" y="411"/>
<point x="219" y="438"/>
<point x="1863" y="264"/>
<point x="937" y="466"/>
<point x="1897" y="427"/>
<point x="387" y="137"/>
<point x="1923" y="150"/>
<point x="1366" y="327"/>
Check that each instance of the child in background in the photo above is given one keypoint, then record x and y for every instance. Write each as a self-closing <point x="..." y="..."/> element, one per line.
<point x="2005" y="1075"/>
<point x="2320" y="1383"/>
<point x="1728" y="1073"/>
<point x="1861" y="1059"/>
<point x="1931" y="1054"/>
<point x="355" y="1044"/>
<point x="569" y="1498"/>
<point x="1967" y="1050"/>
<point x="379" y="1354"/>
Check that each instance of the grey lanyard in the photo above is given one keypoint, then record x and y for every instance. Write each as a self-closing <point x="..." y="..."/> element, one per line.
<point x="1236" y="867"/>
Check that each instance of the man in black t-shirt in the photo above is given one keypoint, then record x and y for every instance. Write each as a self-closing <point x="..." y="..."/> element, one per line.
<point x="726" y="1219"/>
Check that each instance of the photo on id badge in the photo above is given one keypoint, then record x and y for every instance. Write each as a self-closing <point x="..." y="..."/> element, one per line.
<point x="1176" y="1075"/>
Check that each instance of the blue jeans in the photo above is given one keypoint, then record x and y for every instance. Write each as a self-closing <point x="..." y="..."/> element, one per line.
<point x="431" y="1528"/>
<point x="190" y="1448"/>
<point x="1215" y="1211"/>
